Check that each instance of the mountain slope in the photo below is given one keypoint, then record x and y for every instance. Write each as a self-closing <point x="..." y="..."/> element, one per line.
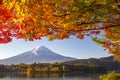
<point x="107" y="62"/>
<point x="38" y="55"/>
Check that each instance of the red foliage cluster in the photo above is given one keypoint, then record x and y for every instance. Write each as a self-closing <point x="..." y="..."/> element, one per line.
<point x="5" y="24"/>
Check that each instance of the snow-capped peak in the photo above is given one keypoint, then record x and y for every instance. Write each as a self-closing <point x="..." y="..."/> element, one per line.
<point x="43" y="48"/>
<point x="39" y="49"/>
<point x="38" y="55"/>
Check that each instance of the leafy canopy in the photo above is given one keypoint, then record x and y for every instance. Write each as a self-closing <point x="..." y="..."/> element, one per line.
<point x="60" y="19"/>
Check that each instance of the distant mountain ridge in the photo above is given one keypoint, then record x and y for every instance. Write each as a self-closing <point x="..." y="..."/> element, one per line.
<point x="110" y="58"/>
<point x="107" y="62"/>
<point x="38" y="55"/>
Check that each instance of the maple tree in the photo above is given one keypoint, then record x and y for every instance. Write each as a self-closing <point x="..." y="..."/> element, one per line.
<point x="59" y="19"/>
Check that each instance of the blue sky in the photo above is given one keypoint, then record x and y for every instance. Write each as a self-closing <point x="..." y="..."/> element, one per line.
<point x="68" y="47"/>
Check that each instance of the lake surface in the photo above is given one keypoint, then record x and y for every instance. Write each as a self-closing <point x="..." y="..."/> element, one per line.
<point x="46" y="76"/>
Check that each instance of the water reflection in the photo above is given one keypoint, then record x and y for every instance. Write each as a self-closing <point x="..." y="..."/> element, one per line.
<point x="48" y="76"/>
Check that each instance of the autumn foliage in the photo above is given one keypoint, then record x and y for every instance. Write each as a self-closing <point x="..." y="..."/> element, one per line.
<point x="60" y="19"/>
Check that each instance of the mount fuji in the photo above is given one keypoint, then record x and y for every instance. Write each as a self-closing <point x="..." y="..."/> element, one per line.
<point x="38" y="55"/>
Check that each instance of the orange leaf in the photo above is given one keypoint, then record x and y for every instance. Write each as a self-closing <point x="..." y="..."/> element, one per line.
<point x="80" y="36"/>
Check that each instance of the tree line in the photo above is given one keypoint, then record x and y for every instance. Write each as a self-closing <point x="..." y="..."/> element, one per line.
<point x="51" y="68"/>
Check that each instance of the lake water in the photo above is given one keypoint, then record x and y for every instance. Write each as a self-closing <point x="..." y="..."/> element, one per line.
<point x="51" y="76"/>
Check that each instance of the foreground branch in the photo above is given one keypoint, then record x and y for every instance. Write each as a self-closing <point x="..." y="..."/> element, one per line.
<point x="101" y="28"/>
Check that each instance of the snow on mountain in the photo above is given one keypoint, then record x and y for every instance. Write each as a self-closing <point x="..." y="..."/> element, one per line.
<point x="42" y="50"/>
<point x="38" y="55"/>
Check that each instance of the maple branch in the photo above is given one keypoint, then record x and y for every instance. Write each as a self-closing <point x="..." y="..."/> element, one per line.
<point x="61" y="15"/>
<point x="92" y="29"/>
<point x="101" y="28"/>
<point x="91" y="8"/>
<point x="94" y="22"/>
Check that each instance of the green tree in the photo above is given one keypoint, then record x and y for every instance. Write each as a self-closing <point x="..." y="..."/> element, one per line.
<point x="111" y="76"/>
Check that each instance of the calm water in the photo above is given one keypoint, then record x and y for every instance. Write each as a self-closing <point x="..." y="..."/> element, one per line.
<point x="45" y="76"/>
